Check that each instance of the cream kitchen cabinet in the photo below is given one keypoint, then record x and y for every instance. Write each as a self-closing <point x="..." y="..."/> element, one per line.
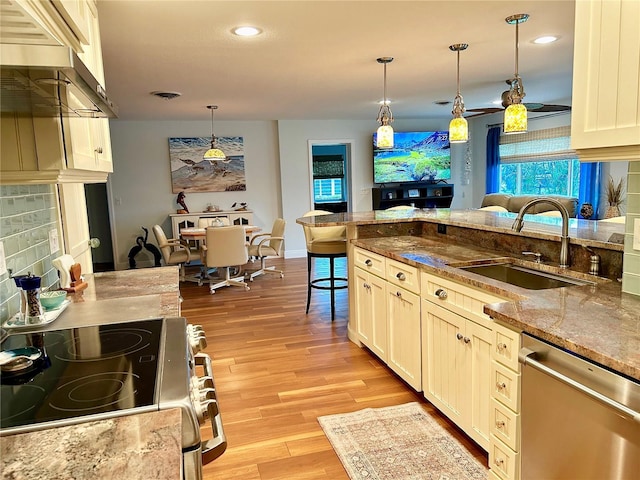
<point x="387" y="312"/>
<point x="456" y="343"/>
<point x="403" y="322"/>
<point x="504" y="451"/>
<point x="369" y="289"/>
<point x="53" y="149"/>
<point x="605" y="117"/>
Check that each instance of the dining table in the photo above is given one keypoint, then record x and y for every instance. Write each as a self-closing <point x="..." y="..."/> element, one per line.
<point x="199" y="234"/>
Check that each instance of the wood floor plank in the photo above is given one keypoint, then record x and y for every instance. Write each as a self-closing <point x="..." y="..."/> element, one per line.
<point x="277" y="369"/>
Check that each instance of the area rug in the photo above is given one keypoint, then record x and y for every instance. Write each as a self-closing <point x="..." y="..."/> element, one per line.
<point x="402" y="442"/>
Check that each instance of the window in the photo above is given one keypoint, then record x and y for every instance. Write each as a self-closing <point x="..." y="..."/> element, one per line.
<point x="327" y="190"/>
<point x="539" y="163"/>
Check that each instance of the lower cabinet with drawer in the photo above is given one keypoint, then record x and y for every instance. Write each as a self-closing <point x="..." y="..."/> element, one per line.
<point x="457" y="345"/>
<point x="504" y="451"/>
<point x="387" y="311"/>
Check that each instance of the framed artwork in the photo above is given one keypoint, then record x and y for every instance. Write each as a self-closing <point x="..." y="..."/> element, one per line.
<point x="190" y="173"/>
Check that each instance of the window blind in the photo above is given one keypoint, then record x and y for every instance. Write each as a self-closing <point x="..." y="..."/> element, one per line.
<point x="537" y="146"/>
<point x="328" y="166"/>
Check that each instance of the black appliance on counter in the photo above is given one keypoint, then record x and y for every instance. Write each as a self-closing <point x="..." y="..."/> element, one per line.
<point x="104" y="371"/>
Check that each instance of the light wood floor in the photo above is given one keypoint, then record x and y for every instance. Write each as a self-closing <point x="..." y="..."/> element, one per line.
<point x="277" y="369"/>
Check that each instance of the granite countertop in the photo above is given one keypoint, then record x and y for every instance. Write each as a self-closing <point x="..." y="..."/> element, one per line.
<point x="146" y="445"/>
<point x="597" y="321"/>
<point x="587" y="233"/>
<point x="143" y="445"/>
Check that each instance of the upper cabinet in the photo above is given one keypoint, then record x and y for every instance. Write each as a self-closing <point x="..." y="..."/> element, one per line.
<point x="605" y="123"/>
<point x="61" y="148"/>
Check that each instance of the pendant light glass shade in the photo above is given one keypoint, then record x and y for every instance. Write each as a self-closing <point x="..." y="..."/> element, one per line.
<point x="515" y="115"/>
<point x="384" y="135"/>
<point x="515" y="118"/>
<point x="214" y="153"/>
<point x="458" y="130"/>
<point x="458" y="127"/>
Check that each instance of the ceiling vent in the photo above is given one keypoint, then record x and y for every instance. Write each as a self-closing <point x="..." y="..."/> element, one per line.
<point x="166" y="95"/>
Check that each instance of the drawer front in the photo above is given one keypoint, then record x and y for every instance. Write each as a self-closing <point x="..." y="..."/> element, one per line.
<point x="403" y="275"/>
<point x="369" y="262"/>
<point x="506" y="345"/>
<point x="505" y="425"/>
<point x="461" y="299"/>
<point x="505" y="386"/>
<point x="504" y="461"/>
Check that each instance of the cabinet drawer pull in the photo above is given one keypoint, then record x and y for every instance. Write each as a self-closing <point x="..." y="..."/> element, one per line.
<point x="459" y="336"/>
<point x="501" y="347"/>
<point x="398" y="294"/>
<point x="401" y="276"/>
<point x="467" y="339"/>
<point x="99" y="150"/>
<point x="441" y="293"/>
<point x="501" y="386"/>
<point x="366" y="285"/>
<point x="499" y="424"/>
<point x="368" y="262"/>
<point x="499" y="462"/>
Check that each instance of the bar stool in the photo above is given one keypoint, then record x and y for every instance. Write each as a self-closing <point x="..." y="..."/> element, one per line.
<point x="325" y="242"/>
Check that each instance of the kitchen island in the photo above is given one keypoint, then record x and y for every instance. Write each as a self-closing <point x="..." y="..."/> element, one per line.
<point x="597" y="321"/>
<point x="142" y="445"/>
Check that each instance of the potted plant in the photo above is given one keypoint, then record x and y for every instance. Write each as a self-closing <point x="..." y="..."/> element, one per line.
<point x="614" y="195"/>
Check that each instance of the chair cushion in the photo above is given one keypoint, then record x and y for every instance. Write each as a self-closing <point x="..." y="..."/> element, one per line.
<point x="329" y="246"/>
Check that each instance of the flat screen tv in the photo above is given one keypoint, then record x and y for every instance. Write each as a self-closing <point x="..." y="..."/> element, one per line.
<point x="415" y="157"/>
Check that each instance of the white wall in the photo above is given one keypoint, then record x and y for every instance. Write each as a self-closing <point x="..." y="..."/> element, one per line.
<point x="140" y="187"/>
<point x="276" y="166"/>
<point x="294" y="138"/>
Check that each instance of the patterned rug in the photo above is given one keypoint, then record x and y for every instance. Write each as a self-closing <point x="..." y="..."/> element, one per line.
<point x="398" y="443"/>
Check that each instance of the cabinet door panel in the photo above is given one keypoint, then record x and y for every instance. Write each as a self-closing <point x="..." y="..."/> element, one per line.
<point x="404" y="357"/>
<point x="479" y="383"/>
<point x="75" y="224"/>
<point x="445" y="359"/>
<point x="364" y="318"/>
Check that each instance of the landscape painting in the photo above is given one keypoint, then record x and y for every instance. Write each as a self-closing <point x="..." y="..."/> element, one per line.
<point x="190" y="173"/>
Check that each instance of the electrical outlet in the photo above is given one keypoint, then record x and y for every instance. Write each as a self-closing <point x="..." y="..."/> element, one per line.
<point x="54" y="245"/>
<point x="636" y="233"/>
<point x="442" y="228"/>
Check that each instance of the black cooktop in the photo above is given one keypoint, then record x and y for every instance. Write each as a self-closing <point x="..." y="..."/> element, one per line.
<point x="81" y="371"/>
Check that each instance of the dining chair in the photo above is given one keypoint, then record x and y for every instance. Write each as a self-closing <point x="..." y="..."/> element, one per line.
<point x="267" y="244"/>
<point x="174" y="251"/>
<point x="325" y="242"/>
<point x="224" y="248"/>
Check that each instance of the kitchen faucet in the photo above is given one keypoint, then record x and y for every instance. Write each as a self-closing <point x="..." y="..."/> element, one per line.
<point x="564" y="244"/>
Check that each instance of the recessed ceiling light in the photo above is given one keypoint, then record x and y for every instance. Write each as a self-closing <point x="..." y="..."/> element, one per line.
<point x="247" y="31"/>
<point x="545" y="39"/>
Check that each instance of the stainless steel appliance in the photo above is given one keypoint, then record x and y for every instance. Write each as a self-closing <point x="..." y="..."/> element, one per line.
<point x="578" y="420"/>
<point x="103" y="371"/>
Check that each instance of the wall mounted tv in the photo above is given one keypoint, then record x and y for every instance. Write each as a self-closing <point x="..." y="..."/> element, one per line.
<point x="415" y="157"/>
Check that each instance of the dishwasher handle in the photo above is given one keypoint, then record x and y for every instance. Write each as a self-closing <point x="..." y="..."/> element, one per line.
<point x="526" y="357"/>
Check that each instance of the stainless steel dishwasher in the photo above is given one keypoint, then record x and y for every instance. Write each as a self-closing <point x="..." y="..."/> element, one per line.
<point x="579" y="421"/>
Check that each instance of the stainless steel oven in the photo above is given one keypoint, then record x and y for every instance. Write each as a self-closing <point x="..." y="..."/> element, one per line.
<point x="94" y="372"/>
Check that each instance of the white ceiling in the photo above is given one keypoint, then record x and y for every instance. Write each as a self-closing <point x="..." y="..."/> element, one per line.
<point x="317" y="59"/>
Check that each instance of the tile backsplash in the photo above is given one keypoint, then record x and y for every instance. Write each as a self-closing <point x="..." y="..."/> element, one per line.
<point x="27" y="214"/>
<point x="631" y="271"/>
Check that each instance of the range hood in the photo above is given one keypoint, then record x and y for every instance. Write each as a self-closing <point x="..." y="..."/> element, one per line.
<point x="50" y="81"/>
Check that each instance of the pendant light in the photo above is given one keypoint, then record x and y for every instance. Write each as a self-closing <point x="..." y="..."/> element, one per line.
<point x="214" y="153"/>
<point x="384" y="135"/>
<point x="458" y="127"/>
<point x="515" y="116"/>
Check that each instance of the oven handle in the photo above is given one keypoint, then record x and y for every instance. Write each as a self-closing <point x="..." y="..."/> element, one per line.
<point x="526" y="357"/>
<point x="214" y="447"/>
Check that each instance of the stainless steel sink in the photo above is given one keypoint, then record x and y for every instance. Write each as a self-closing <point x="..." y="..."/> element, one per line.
<point x="524" y="277"/>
